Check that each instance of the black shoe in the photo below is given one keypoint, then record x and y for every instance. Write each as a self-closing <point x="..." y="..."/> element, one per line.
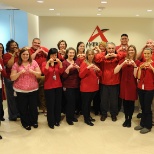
<point x="91" y="119"/>
<point x="2" y="119"/>
<point x="52" y="127"/>
<point x="129" y="123"/>
<point x="35" y="125"/>
<point x="89" y="123"/>
<point x="75" y="120"/>
<point x="57" y="124"/>
<point x="70" y="122"/>
<point x="0" y="137"/>
<point x="125" y="123"/>
<point x="103" y="117"/>
<point x="139" y="115"/>
<point x="27" y="127"/>
<point x="114" y="118"/>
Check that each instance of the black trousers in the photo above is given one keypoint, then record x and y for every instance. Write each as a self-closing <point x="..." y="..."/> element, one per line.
<point x="87" y="97"/>
<point x="1" y="105"/>
<point x="72" y="96"/>
<point x="128" y="108"/>
<point x="96" y="102"/>
<point x="109" y="99"/>
<point x="146" y="98"/>
<point x="27" y="106"/>
<point x="53" y="101"/>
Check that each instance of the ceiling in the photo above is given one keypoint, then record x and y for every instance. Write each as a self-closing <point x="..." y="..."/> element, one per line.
<point x="84" y="8"/>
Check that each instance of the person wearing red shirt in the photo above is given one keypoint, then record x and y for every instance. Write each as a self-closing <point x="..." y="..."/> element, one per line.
<point x="9" y="59"/>
<point x="128" y="84"/>
<point x="52" y="70"/>
<point x="109" y="81"/>
<point x="146" y="91"/>
<point x="62" y="45"/>
<point x="71" y="83"/>
<point x="39" y="54"/>
<point x="89" y="73"/>
<point x="24" y="74"/>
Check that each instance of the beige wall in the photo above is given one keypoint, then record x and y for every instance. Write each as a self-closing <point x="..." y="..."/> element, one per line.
<point x="33" y="27"/>
<point x="53" y="29"/>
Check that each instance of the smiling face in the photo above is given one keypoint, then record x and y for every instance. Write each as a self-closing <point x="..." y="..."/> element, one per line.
<point x="81" y="48"/>
<point x="131" y="52"/>
<point x="90" y="56"/>
<point x="147" y="54"/>
<point x="62" y="45"/>
<point x="53" y="56"/>
<point x="25" y="56"/>
<point x="149" y="43"/>
<point x="110" y="48"/>
<point x="124" y="40"/>
<point x="71" y="54"/>
<point x="36" y="44"/>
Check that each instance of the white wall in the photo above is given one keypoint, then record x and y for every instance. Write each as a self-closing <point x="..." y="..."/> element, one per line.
<point x="74" y="29"/>
<point x="33" y="28"/>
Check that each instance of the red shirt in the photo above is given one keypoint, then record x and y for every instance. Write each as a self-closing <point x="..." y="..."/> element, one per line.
<point x="107" y="66"/>
<point x="146" y="81"/>
<point x="89" y="78"/>
<point x="72" y="79"/>
<point x="40" y="57"/>
<point x="6" y="58"/>
<point x="60" y="57"/>
<point x="49" y="74"/>
<point x="128" y="84"/>
<point x="121" y="51"/>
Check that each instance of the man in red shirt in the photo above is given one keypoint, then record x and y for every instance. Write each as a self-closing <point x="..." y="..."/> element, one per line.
<point x="39" y="54"/>
<point x="124" y="44"/>
<point x="109" y="81"/>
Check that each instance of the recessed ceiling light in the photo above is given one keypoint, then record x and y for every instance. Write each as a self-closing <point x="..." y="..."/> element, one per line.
<point x="98" y="14"/>
<point x="149" y="10"/>
<point x="104" y="2"/>
<point x="40" y="1"/>
<point x="51" y="9"/>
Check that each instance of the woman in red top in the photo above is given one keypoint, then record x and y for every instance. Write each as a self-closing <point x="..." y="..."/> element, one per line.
<point x="52" y="69"/>
<point x="146" y="91"/>
<point x="71" y="83"/>
<point x="89" y="74"/>
<point x="9" y="59"/>
<point x="80" y="51"/>
<point x="128" y="84"/>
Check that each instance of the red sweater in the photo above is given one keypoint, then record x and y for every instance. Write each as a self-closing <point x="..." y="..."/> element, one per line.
<point x="40" y="57"/>
<point x="107" y="66"/>
<point x="146" y="79"/>
<point x="72" y="79"/>
<point x="49" y="82"/>
<point x="89" y="79"/>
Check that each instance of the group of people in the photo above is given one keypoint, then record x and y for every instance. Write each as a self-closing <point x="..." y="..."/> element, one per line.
<point x="68" y="79"/>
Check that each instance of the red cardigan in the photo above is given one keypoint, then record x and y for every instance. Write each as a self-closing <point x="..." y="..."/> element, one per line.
<point x="146" y="79"/>
<point x="89" y="78"/>
<point x="49" y="82"/>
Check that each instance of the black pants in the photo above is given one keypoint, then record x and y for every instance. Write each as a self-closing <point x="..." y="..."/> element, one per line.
<point x="1" y="105"/>
<point x="27" y="105"/>
<point x="96" y="102"/>
<point x="72" y="96"/>
<point x="109" y="99"/>
<point x="53" y="101"/>
<point x="87" y="97"/>
<point x="128" y="108"/>
<point x="146" y="98"/>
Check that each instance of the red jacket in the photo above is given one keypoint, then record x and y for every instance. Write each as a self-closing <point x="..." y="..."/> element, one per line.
<point x="107" y="66"/>
<point x="49" y="82"/>
<point x="146" y="79"/>
<point x="89" y="79"/>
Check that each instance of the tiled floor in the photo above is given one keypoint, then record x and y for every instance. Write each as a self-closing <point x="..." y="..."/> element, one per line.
<point x="103" y="138"/>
